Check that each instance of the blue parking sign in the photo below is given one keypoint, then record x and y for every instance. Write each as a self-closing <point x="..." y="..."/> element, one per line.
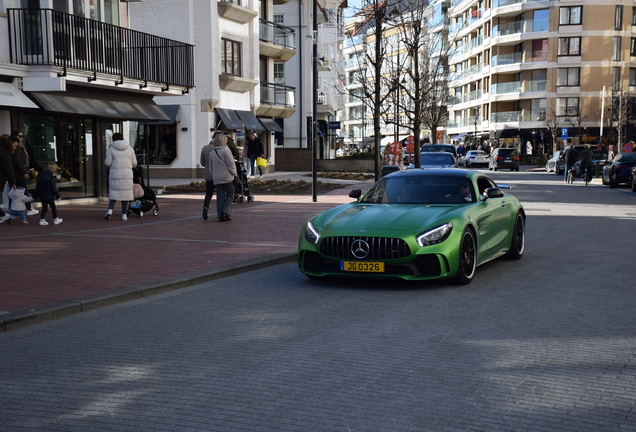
<point x="564" y="133"/>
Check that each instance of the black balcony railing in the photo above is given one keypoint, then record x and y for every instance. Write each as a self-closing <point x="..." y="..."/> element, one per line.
<point x="276" y="94"/>
<point x="277" y="34"/>
<point x="48" y="37"/>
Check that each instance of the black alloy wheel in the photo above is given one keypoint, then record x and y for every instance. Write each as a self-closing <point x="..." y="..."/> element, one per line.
<point x="467" y="258"/>
<point x="518" y="245"/>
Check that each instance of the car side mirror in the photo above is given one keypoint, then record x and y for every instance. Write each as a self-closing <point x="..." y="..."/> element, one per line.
<point x="493" y="193"/>
<point x="356" y="193"/>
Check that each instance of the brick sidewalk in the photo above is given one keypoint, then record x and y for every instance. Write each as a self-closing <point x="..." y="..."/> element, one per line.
<point x="45" y="267"/>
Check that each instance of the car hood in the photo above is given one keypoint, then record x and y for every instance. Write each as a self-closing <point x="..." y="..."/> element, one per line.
<point x="351" y="218"/>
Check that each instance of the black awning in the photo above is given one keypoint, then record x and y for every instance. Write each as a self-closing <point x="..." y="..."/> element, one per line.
<point x="102" y="105"/>
<point x="270" y="124"/>
<point x="250" y="121"/>
<point x="230" y="119"/>
<point x="171" y="111"/>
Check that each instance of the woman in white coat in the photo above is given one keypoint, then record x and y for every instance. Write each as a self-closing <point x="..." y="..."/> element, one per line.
<point x="223" y="169"/>
<point x="121" y="159"/>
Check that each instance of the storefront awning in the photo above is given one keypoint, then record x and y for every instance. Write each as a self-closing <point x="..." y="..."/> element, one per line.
<point x="270" y="124"/>
<point x="101" y="105"/>
<point x="250" y="121"/>
<point x="11" y="96"/>
<point x="171" y="111"/>
<point x="229" y="119"/>
<point x="458" y="137"/>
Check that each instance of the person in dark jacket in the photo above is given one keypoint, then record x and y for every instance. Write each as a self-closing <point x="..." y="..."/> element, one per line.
<point x="6" y="170"/>
<point x="254" y="150"/>
<point x="570" y="156"/>
<point x="587" y="157"/>
<point x="20" y="161"/>
<point x="46" y="190"/>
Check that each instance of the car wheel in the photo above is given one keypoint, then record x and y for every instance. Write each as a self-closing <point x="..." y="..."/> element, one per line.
<point x="518" y="244"/>
<point x="603" y="180"/>
<point x="467" y="258"/>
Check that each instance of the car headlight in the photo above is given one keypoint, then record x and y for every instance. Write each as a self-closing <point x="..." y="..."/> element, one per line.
<point x="311" y="233"/>
<point x="435" y="235"/>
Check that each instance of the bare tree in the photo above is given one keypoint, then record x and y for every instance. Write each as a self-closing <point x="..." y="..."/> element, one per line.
<point x="623" y="114"/>
<point x="426" y="70"/>
<point x="553" y="124"/>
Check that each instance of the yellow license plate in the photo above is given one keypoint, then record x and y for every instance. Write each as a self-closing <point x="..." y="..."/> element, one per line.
<point x="366" y="267"/>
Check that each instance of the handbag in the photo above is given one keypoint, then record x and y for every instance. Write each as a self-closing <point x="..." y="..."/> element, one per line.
<point x="261" y="162"/>
<point x="138" y="191"/>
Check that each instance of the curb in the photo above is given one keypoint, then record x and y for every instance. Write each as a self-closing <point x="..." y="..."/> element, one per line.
<point x="16" y="320"/>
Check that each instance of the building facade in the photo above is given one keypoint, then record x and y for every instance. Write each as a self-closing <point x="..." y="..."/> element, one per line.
<point x="72" y="73"/>
<point x="521" y="69"/>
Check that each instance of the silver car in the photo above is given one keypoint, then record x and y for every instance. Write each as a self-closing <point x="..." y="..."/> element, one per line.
<point x="474" y="158"/>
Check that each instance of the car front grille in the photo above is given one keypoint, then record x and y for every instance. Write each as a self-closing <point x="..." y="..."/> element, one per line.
<point x="380" y="248"/>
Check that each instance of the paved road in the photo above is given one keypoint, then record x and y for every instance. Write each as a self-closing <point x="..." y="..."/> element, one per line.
<point x="543" y="344"/>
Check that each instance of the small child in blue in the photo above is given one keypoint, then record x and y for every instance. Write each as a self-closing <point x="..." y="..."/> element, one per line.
<point x="46" y="190"/>
<point x="18" y="204"/>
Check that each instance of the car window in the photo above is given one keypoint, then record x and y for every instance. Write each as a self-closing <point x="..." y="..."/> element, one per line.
<point x="483" y="183"/>
<point x="423" y="189"/>
<point x="437" y="159"/>
<point x="626" y="157"/>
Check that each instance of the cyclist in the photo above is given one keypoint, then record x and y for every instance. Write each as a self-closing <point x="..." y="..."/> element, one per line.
<point x="586" y="158"/>
<point x="569" y="156"/>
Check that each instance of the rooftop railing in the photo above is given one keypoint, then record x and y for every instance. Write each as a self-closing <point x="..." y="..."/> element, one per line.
<point x="48" y="37"/>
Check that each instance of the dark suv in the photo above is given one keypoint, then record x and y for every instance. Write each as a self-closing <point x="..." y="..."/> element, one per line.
<point x="449" y="148"/>
<point x="504" y="158"/>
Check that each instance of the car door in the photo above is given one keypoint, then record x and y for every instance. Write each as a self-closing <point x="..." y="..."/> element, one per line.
<point x="493" y="219"/>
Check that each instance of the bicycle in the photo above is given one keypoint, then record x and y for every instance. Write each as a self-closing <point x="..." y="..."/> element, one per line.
<point x="571" y="175"/>
<point x="586" y="175"/>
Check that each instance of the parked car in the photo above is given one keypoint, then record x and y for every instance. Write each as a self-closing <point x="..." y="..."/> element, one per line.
<point x="504" y="158"/>
<point x="474" y="158"/>
<point x="436" y="160"/>
<point x="619" y="170"/>
<point x="634" y="179"/>
<point x="552" y="163"/>
<point x="415" y="225"/>
<point x="600" y="155"/>
<point x="449" y="148"/>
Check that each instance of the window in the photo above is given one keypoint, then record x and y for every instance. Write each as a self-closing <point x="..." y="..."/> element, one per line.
<point x="569" y="46"/>
<point x="568" y="77"/>
<point x="616" y="78"/>
<point x="231" y="57"/>
<point x="632" y="47"/>
<point x="279" y="72"/>
<point x="567" y="106"/>
<point x="539" y="50"/>
<point x="618" y="18"/>
<point x="570" y="15"/>
<point x="633" y="15"/>
<point x="632" y="76"/>
<point x="617" y="48"/>
<point x="279" y="19"/>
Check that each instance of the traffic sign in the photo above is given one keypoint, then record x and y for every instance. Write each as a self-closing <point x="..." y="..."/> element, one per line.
<point x="564" y="133"/>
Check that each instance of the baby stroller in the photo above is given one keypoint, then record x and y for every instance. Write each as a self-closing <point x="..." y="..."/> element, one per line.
<point x="147" y="201"/>
<point x="241" y="187"/>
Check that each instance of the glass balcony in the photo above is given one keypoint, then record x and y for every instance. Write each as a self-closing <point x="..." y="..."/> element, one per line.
<point x="277" y="94"/>
<point x="516" y="27"/>
<point x="505" y="117"/>
<point x="51" y="38"/>
<point x="506" y="59"/>
<point x="277" y="34"/>
<point x="500" y="3"/>
<point x="529" y="116"/>
<point x="538" y="85"/>
<point x="509" y="87"/>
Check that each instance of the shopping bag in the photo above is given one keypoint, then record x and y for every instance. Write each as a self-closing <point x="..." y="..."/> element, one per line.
<point x="261" y="162"/>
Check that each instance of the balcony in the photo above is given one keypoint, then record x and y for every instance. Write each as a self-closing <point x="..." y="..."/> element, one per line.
<point x="506" y="59"/>
<point x="505" y="117"/>
<point x="537" y="85"/>
<point x="235" y="12"/>
<point x="516" y="27"/>
<point x="49" y="38"/>
<point x="509" y="87"/>
<point x="502" y="3"/>
<point x="277" y="41"/>
<point x="534" y="116"/>
<point x="277" y="100"/>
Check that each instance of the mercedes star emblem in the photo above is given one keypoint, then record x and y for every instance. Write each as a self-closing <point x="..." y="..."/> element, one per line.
<point x="360" y="249"/>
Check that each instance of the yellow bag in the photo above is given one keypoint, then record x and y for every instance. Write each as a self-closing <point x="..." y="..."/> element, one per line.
<point x="261" y="162"/>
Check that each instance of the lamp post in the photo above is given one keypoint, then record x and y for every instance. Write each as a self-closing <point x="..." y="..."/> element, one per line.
<point x="475" y="121"/>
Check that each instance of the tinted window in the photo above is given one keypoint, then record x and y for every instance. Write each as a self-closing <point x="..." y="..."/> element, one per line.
<point x="424" y="189"/>
<point x="437" y="159"/>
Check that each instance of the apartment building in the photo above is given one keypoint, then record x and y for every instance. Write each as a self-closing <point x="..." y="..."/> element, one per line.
<point x="297" y="73"/>
<point x="72" y="73"/>
<point x="521" y="66"/>
<point x="240" y="46"/>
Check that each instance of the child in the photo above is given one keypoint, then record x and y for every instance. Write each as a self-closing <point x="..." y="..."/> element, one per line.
<point x="47" y="191"/>
<point x="18" y="204"/>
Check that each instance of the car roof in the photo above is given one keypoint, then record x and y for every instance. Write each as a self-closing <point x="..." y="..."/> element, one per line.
<point x="437" y="172"/>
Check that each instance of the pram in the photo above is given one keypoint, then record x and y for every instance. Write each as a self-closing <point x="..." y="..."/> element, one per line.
<point x="146" y="203"/>
<point x="241" y="186"/>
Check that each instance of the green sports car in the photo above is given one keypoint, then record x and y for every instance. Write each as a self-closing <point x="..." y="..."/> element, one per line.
<point x="416" y="225"/>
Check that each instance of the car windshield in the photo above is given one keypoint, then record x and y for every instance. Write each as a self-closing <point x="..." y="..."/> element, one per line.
<point x="421" y="189"/>
<point x="440" y="159"/>
<point x="506" y="152"/>
<point x="476" y="153"/>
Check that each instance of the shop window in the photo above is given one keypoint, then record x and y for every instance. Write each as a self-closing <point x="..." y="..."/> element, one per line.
<point x="153" y="144"/>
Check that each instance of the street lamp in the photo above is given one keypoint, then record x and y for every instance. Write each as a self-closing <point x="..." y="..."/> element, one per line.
<point x="475" y="121"/>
